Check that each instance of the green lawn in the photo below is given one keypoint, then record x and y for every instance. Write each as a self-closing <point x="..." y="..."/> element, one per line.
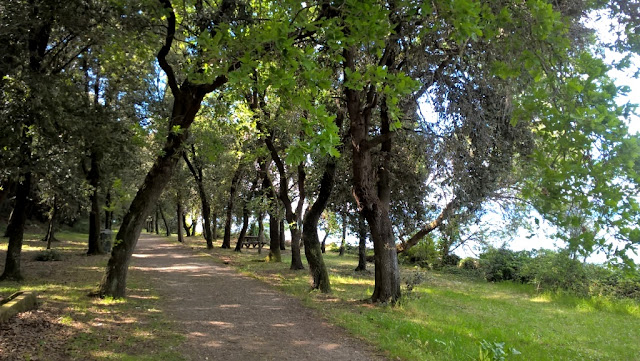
<point x="447" y="316"/>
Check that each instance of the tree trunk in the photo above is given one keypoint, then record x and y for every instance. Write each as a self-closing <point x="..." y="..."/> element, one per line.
<point x="196" y="171"/>
<point x="16" y="225"/>
<point x="226" y="241"/>
<point x="362" y="245"/>
<point x="245" y="226"/>
<point x="323" y="246"/>
<point x="282" y="236"/>
<point x="50" y="236"/>
<point x="155" y="221"/>
<point x="187" y="229"/>
<point x="108" y="214"/>
<point x="373" y="193"/>
<point x="274" y="238"/>
<point x="180" y="217"/>
<point x="260" y="232"/>
<point x="344" y="233"/>
<point x="214" y="227"/>
<point x="185" y="107"/>
<point x="164" y="220"/>
<point x="95" y="243"/>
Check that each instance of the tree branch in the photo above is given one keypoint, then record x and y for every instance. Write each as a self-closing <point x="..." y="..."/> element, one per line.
<point x="164" y="51"/>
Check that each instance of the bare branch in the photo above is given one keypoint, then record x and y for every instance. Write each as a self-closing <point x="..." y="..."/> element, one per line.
<point x="164" y="51"/>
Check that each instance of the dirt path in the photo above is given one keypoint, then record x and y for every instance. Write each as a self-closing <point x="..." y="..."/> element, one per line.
<point x="227" y="316"/>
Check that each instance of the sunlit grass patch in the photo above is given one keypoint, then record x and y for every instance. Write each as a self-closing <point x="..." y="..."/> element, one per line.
<point x="447" y="316"/>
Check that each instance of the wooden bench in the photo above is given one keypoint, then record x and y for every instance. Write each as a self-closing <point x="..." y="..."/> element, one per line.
<point x="252" y="241"/>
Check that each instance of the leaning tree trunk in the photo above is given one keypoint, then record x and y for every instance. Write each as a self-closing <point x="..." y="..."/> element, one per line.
<point x="196" y="171"/>
<point x="243" y="231"/>
<point x="312" y="249"/>
<point x="180" y="218"/>
<point x="362" y="246"/>
<point x="323" y="246"/>
<point x="164" y="220"/>
<point x="187" y="229"/>
<point x="16" y="227"/>
<point x="274" y="238"/>
<point x="95" y="244"/>
<point x="186" y="105"/>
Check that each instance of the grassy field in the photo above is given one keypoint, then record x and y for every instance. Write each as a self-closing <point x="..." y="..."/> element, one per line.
<point x="448" y="317"/>
<point x="86" y="328"/>
<point x="444" y="317"/>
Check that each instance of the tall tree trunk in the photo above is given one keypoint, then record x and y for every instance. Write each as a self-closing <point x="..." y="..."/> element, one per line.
<point x="156" y="221"/>
<point x="362" y="245"/>
<point x="373" y="197"/>
<point x="245" y="226"/>
<point x="344" y="232"/>
<point x="274" y="238"/>
<point x="50" y="236"/>
<point x="108" y="214"/>
<point x="214" y="227"/>
<point x="226" y="241"/>
<point x="282" y="236"/>
<point x="180" y="218"/>
<point x="164" y="220"/>
<point x="95" y="244"/>
<point x="196" y="170"/>
<point x="260" y="232"/>
<point x="16" y="226"/>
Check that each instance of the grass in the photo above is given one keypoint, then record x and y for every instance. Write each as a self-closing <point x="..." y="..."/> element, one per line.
<point x="447" y="316"/>
<point x="96" y="329"/>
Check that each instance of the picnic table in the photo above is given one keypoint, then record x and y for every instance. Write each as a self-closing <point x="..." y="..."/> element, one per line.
<point x="252" y="241"/>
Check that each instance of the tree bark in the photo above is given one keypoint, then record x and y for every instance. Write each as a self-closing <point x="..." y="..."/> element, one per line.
<point x="155" y="221"/>
<point x="180" y="219"/>
<point x="164" y="220"/>
<point x="196" y="170"/>
<point x="95" y="244"/>
<point x="245" y="226"/>
<point x="226" y="241"/>
<point x="274" y="238"/>
<point x="214" y="227"/>
<point x="282" y="236"/>
<point x="108" y="215"/>
<point x="187" y="228"/>
<point x="362" y="245"/>
<point x="323" y="246"/>
<point x="50" y="236"/>
<point x="373" y="193"/>
<point x="12" y="270"/>
<point x="260" y="232"/>
<point x="344" y="232"/>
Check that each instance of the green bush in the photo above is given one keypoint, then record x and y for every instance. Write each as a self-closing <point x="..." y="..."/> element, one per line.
<point x="48" y="255"/>
<point x="502" y="264"/>
<point x="423" y="254"/>
<point x="551" y="270"/>
<point x="613" y="283"/>
<point x="469" y="263"/>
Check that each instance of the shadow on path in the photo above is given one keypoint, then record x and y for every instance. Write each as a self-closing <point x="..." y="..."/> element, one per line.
<point x="227" y="316"/>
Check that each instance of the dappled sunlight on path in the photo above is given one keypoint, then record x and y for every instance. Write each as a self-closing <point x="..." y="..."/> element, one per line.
<point x="227" y="316"/>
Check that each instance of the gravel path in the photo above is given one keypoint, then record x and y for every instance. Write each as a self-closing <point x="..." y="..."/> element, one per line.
<point x="227" y="316"/>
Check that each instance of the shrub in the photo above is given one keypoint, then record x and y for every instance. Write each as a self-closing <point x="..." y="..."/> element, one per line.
<point x="469" y="263"/>
<point x="552" y="270"/>
<point x="48" y="255"/>
<point x="501" y="264"/>
<point x="450" y="260"/>
<point x="423" y="254"/>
